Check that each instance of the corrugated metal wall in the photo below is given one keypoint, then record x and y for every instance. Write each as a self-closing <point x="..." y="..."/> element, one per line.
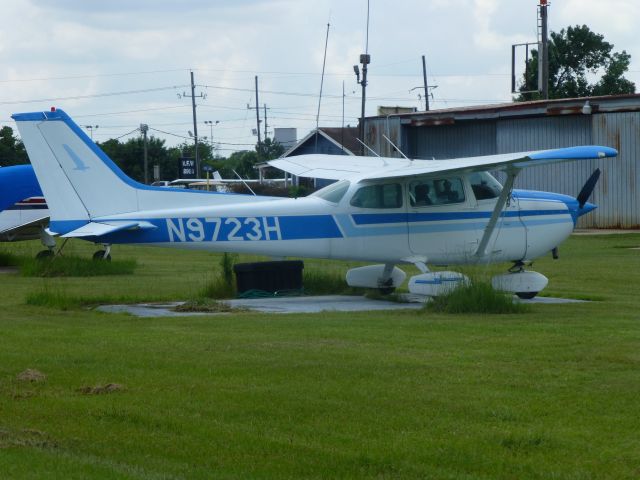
<point x="616" y="194"/>
<point x="467" y="139"/>
<point x="526" y="134"/>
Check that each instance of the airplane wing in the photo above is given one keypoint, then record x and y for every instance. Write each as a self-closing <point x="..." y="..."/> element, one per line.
<point x="334" y="167"/>
<point x="371" y="168"/>
<point x="25" y="231"/>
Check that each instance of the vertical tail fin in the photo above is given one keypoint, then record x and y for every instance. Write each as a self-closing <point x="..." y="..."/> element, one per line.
<point x="78" y="180"/>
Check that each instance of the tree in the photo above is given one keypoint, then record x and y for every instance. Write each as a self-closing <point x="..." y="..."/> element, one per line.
<point x="129" y="156"/>
<point x="576" y="55"/>
<point x="12" y="151"/>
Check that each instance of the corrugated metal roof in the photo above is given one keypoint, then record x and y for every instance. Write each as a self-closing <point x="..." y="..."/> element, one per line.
<point x="565" y="106"/>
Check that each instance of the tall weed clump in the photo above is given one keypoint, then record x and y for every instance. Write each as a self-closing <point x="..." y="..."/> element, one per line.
<point x="222" y="286"/>
<point x="477" y="296"/>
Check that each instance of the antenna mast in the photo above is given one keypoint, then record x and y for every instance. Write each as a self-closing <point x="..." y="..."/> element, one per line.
<point x="324" y="61"/>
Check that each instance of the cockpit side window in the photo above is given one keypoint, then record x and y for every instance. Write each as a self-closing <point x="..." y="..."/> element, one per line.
<point x="428" y="191"/>
<point x="484" y="185"/>
<point x="387" y="195"/>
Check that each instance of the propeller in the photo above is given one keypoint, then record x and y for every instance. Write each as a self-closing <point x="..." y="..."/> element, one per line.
<point x="588" y="187"/>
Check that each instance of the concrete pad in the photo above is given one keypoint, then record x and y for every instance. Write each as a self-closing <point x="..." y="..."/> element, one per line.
<point x="325" y="303"/>
<point x="549" y="300"/>
<point x="603" y="231"/>
<point x="149" y="310"/>
<point x="331" y="303"/>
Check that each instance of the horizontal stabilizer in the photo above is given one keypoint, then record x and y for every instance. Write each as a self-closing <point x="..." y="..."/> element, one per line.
<point x="97" y="229"/>
<point x="26" y="230"/>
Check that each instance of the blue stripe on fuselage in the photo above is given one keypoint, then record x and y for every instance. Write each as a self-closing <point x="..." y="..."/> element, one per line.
<point x="310" y="227"/>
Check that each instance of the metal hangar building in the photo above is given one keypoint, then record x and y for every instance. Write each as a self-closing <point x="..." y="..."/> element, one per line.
<point x="612" y="121"/>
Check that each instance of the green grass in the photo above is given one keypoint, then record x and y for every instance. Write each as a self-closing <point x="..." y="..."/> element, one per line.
<point x="73" y="266"/>
<point x="413" y="394"/>
<point x="9" y="260"/>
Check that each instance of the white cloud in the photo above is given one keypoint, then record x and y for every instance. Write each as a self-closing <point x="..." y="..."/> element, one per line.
<point x="102" y="47"/>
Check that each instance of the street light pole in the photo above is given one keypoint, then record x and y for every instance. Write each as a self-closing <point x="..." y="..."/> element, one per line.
<point x="211" y="125"/>
<point x="90" y="128"/>
<point x="144" y="128"/>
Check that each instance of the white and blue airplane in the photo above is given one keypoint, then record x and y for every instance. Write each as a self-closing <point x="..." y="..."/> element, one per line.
<point x="385" y="210"/>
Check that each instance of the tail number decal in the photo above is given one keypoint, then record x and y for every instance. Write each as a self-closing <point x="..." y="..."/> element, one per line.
<point x="223" y="229"/>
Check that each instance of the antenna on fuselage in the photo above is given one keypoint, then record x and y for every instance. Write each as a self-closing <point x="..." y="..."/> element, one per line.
<point x="245" y="183"/>
<point x="367" y="147"/>
<point x="397" y="149"/>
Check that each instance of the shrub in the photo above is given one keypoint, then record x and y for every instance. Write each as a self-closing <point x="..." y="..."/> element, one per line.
<point x="476" y="297"/>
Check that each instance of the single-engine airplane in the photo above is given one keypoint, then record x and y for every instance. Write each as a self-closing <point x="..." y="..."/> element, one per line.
<point x="386" y="210"/>
<point x="23" y="210"/>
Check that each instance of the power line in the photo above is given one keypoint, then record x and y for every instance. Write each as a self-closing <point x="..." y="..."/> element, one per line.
<point x="95" y="95"/>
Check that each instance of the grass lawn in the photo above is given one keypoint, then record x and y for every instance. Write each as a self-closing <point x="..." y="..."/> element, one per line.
<point x="553" y="393"/>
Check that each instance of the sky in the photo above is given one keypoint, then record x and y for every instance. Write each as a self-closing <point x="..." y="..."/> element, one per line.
<point x="112" y="65"/>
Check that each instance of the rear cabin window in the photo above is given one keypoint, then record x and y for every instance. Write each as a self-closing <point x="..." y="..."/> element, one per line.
<point x="426" y="192"/>
<point x="484" y="185"/>
<point x="388" y="195"/>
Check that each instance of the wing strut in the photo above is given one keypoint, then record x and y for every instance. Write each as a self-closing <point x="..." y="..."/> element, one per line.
<point x="512" y="173"/>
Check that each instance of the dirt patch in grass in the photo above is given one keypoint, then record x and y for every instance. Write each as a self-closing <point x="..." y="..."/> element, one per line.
<point x="206" y="305"/>
<point x="101" y="389"/>
<point x="31" y="375"/>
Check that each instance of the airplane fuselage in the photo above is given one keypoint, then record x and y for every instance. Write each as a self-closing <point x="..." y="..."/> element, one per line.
<point x="397" y="229"/>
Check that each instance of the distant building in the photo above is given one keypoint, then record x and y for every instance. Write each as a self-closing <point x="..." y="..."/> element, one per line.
<point x="332" y="141"/>
<point x="287" y="137"/>
<point x="612" y="121"/>
<point x="395" y="110"/>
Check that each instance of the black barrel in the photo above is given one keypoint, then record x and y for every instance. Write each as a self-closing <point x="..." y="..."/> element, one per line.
<point x="269" y="276"/>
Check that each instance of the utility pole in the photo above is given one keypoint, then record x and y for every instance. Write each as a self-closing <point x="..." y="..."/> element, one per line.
<point x="211" y="124"/>
<point x="257" y="109"/>
<point x="258" y="121"/>
<point x="195" y="122"/>
<point x="426" y="85"/>
<point x="365" y="59"/>
<point x="144" y="128"/>
<point x="543" y="52"/>
<point x="265" y="121"/>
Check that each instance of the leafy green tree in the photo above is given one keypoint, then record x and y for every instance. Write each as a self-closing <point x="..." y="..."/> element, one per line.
<point x="576" y="55"/>
<point x="12" y="151"/>
<point x="270" y="149"/>
<point x="129" y="156"/>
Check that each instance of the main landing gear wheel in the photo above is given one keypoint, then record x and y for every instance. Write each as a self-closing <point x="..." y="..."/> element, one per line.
<point x="45" y="254"/>
<point x="102" y="255"/>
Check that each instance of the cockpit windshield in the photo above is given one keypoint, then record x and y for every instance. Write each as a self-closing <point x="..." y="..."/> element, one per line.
<point x="333" y="193"/>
